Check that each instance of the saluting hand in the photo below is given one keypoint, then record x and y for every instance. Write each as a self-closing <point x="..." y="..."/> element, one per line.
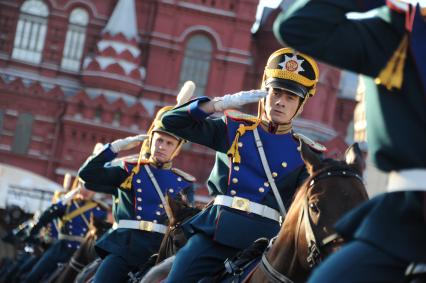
<point x="127" y="143"/>
<point x="238" y="99"/>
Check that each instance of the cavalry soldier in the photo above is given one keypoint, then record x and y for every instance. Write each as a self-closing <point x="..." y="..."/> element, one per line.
<point x="74" y="216"/>
<point x="50" y="233"/>
<point x="389" y="231"/>
<point x="140" y="188"/>
<point x="258" y="166"/>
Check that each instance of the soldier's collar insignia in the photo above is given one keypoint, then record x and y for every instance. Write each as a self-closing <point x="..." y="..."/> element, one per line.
<point x="292" y="64"/>
<point x="276" y="129"/>
<point x="166" y="165"/>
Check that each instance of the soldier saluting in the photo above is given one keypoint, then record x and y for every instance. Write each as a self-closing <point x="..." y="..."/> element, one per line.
<point x="258" y="165"/>
<point x="139" y="189"/>
<point x="73" y="214"/>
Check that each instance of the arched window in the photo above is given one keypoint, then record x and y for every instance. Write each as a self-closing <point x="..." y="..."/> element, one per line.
<point x="74" y="41"/>
<point x="196" y="64"/>
<point x="31" y="31"/>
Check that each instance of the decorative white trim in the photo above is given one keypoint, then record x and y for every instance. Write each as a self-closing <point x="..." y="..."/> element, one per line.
<point x="36" y="153"/>
<point x="161" y="90"/>
<point x="24" y="74"/>
<point x="196" y="28"/>
<point x="89" y="4"/>
<point x="5" y="147"/>
<point x="112" y="76"/>
<point x="7" y="133"/>
<point x="11" y="112"/>
<point x="9" y="3"/>
<point x="118" y="47"/>
<point x="209" y="10"/>
<point x="37" y="138"/>
<point x="44" y="119"/>
<point x="100" y="125"/>
<point x="407" y="180"/>
<point x="204" y="28"/>
<point x="233" y="59"/>
<point x="62" y="171"/>
<point x="111" y="95"/>
<point x="128" y="67"/>
<point x="164" y="45"/>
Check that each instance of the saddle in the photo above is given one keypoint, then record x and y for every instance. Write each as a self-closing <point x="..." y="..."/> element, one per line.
<point x="234" y="267"/>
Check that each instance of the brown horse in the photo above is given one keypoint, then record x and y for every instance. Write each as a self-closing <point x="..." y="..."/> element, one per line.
<point x="307" y="235"/>
<point x="83" y="256"/>
<point x="174" y="239"/>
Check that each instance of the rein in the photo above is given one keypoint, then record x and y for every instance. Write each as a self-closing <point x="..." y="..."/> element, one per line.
<point x="77" y="266"/>
<point x="314" y="246"/>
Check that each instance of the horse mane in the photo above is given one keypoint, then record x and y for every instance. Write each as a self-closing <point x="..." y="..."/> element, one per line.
<point x="184" y="213"/>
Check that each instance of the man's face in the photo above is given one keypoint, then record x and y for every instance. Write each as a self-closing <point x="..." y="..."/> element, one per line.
<point x="163" y="146"/>
<point x="281" y="105"/>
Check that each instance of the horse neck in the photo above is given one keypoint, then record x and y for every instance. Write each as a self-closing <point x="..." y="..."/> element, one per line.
<point x="283" y="253"/>
<point x="86" y="253"/>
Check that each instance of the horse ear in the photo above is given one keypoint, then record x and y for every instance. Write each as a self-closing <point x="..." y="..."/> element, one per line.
<point x="311" y="159"/>
<point x="354" y="158"/>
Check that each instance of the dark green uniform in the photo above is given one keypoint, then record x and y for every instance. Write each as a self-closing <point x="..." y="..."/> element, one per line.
<point x="389" y="231"/>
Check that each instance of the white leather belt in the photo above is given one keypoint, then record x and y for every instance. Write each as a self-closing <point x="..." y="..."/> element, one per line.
<point x="142" y="225"/>
<point x="246" y="205"/>
<point x="407" y="180"/>
<point x="70" y="238"/>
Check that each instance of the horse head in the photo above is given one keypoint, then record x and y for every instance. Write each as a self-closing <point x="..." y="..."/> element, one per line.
<point x="307" y="235"/>
<point x="332" y="189"/>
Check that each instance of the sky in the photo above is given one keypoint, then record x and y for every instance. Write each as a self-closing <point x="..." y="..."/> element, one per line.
<point x="262" y="4"/>
<point x="266" y="3"/>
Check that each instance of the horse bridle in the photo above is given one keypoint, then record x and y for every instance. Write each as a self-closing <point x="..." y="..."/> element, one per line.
<point x="77" y="266"/>
<point x="314" y="249"/>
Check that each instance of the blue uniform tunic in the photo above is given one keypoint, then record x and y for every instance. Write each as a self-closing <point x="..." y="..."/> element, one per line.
<point x="218" y="231"/>
<point x="126" y="248"/>
<point x="62" y="250"/>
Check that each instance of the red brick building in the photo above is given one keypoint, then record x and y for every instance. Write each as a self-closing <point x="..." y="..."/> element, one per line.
<point x="77" y="72"/>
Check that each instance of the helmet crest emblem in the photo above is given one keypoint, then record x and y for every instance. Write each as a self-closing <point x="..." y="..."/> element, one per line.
<point x="292" y="64"/>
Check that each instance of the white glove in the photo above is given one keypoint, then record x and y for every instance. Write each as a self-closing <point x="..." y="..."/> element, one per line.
<point x="127" y="143"/>
<point x="238" y="99"/>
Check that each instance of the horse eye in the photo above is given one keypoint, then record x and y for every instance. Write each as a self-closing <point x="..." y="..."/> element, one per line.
<point x="314" y="207"/>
